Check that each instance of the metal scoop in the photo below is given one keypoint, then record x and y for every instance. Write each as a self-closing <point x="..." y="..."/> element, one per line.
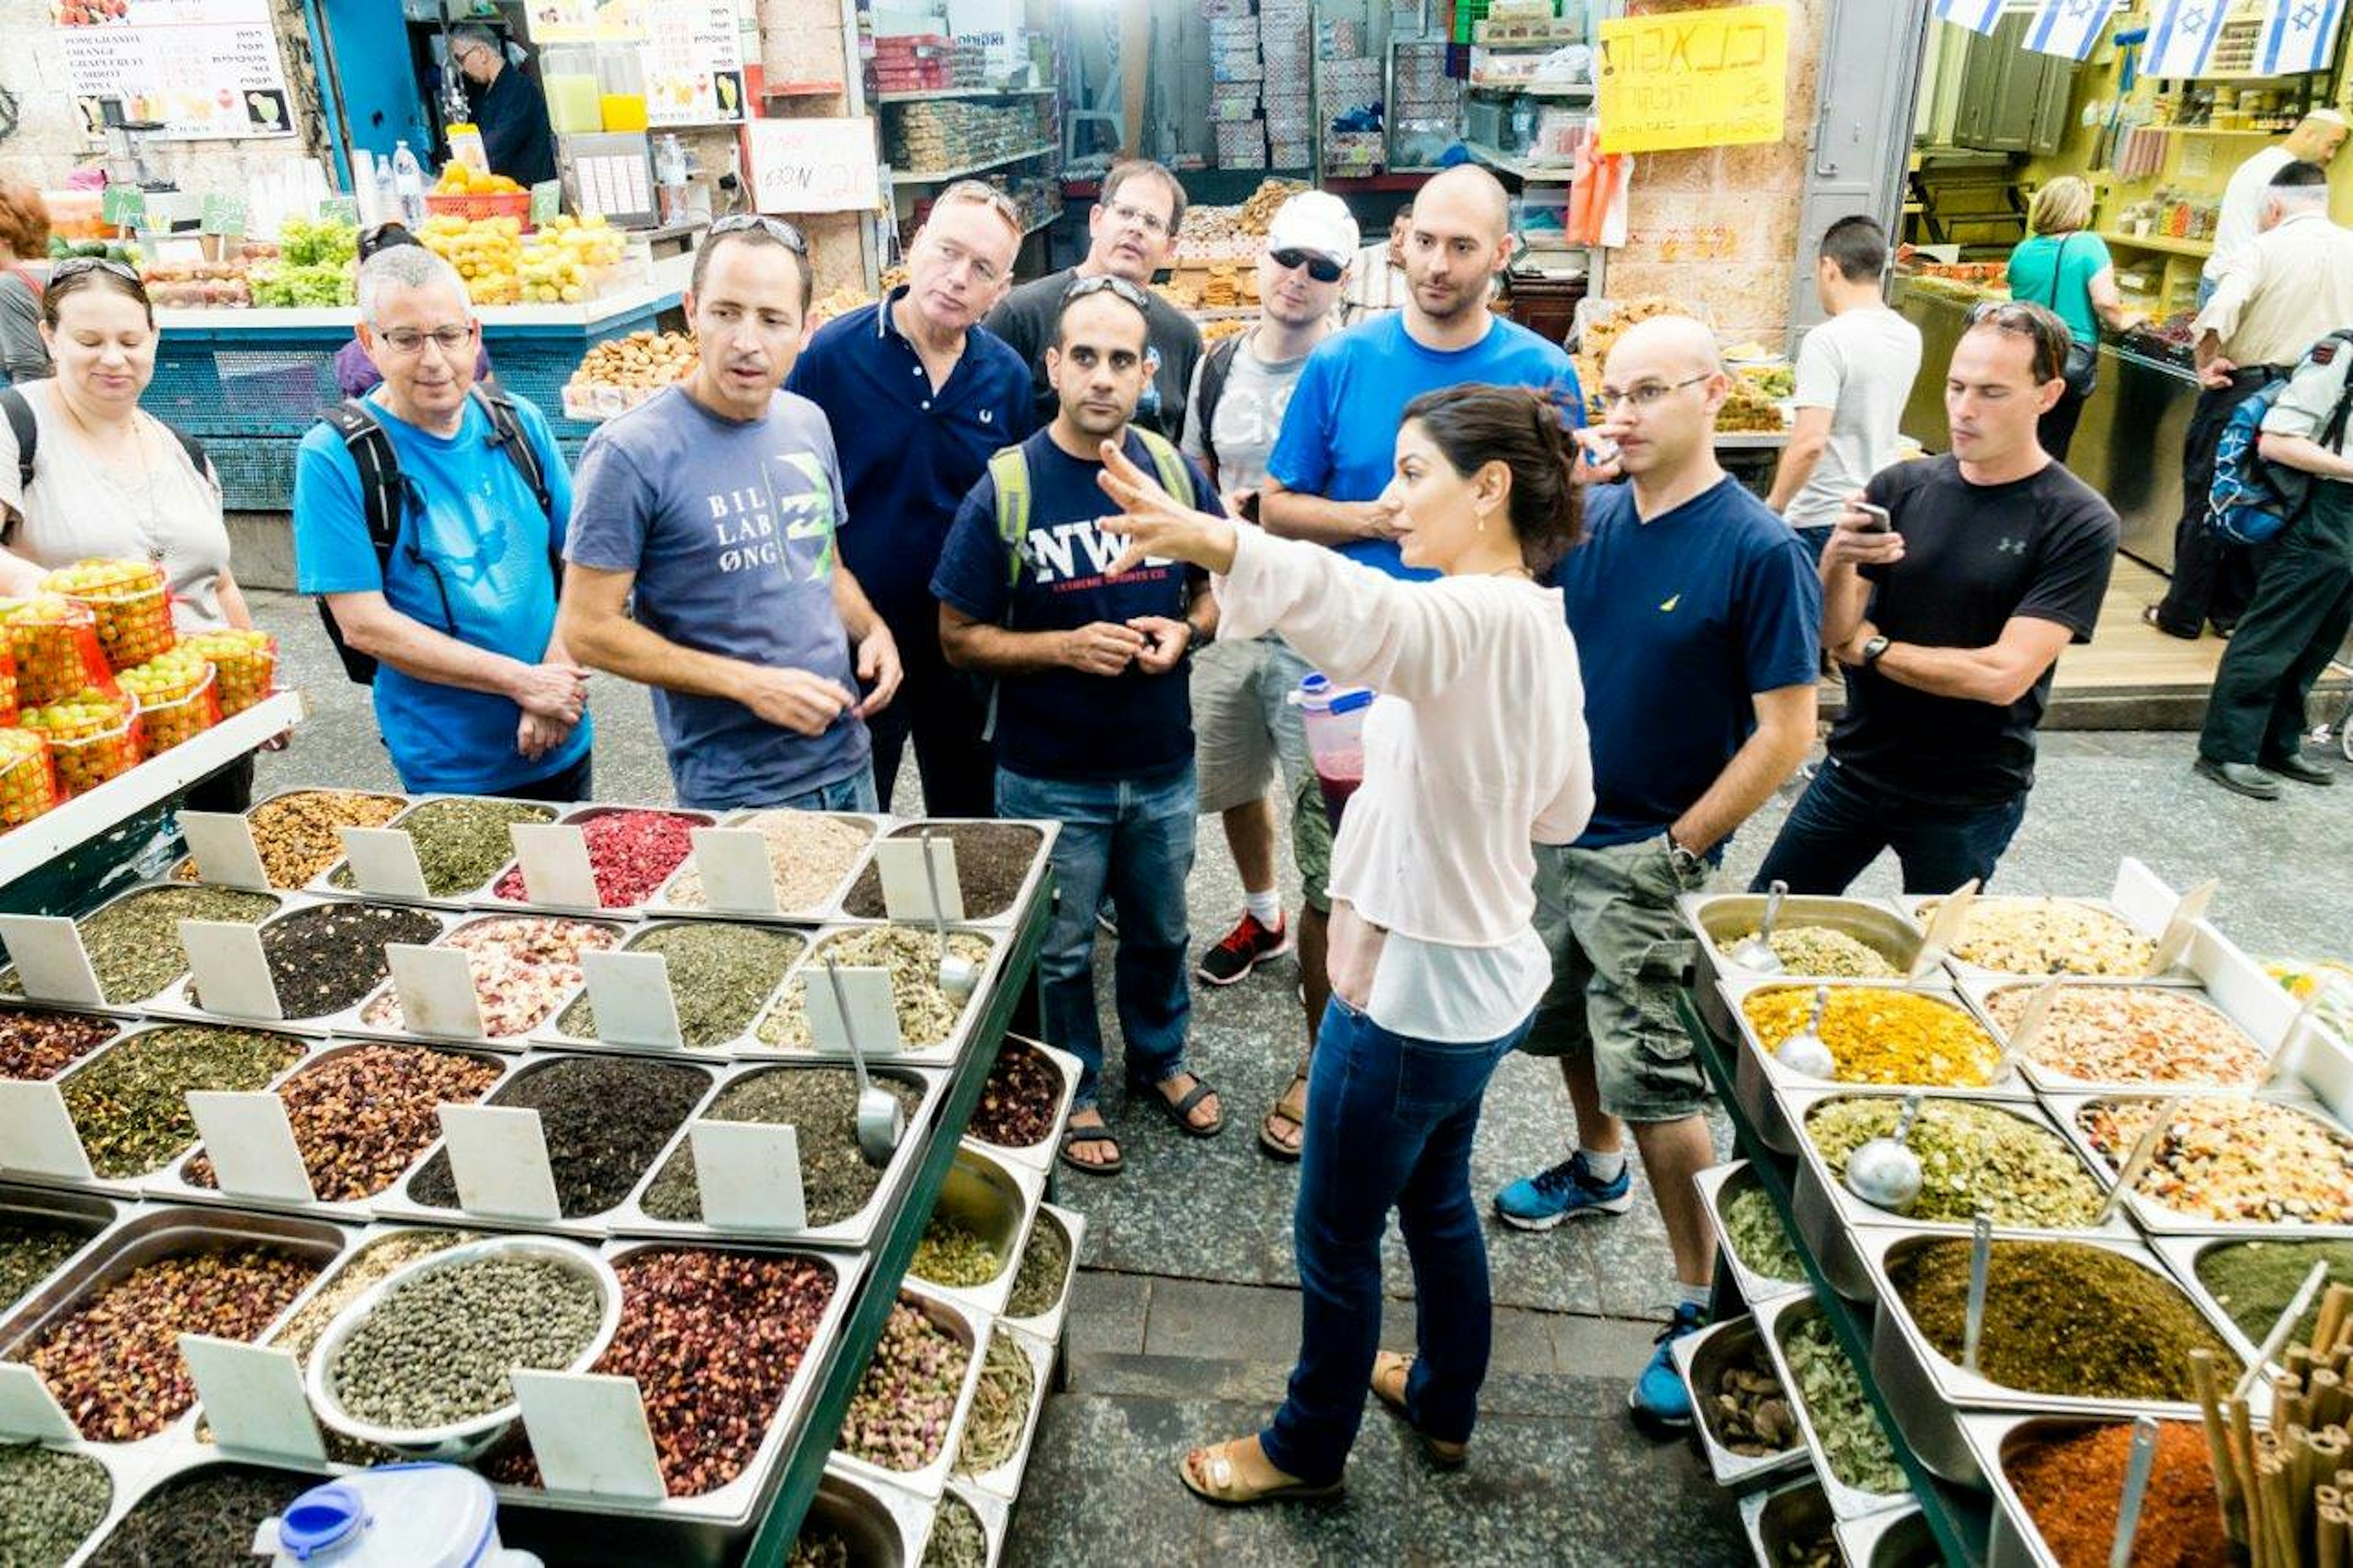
<point x="2128" y="1175"/>
<point x="958" y="976"/>
<point x="1754" y="950"/>
<point x="1980" y="1275"/>
<point x="2142" y="1461"/>
<point x="881" y="1121"/>
<point x="1806" y="1051"/>
<point x="1884" y="1173"/>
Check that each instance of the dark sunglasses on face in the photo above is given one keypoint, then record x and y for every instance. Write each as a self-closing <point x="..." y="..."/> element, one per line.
<point x="1323" y="269"/>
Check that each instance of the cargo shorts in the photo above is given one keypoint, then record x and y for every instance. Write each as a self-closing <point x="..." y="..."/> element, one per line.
<point x="1619" y="953"/>
<point x="1244" y="730"/>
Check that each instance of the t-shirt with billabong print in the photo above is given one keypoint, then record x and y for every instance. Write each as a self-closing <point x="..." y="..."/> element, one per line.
<point x="729" y="526"/>
<point x="1063" y="724"/>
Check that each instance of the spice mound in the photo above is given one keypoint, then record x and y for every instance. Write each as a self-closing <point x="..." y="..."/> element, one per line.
<point x="523" y="966"/>
<point x="1745" y="1409"/>
<point x="605" y="1118"/>
<point x="2238" y="1160"/>
<point x="49" y="1502"/>
<point x="2060" y="1317"/>
<point x="2254" y="1282"/>
<point x="298" y="834"/>
<point x="1045" y="1269"/>
<point x="200" y="1519"/>
<point x="436" y="1349"/>
<point x="1819" y="950"/>
<point x="1831" y="1389"/>
<point x="30" y="1251"/>
<point x="2048" y="936"/>
<point x="630" y="853"/>
<point x="1018" y="1101"/>
<point x="1000" y="1407"/>
<point x="1971" y="1157"/>
<point x="134" y="942"/>
<point x="2134" y="1034"/>
<point x="114" y="1361"/>
<point x="720" y="973"/>
<point x="993" y="859"/>
<point x="808" y="855"/>
<point x="1877" y="1035"/>
<point x="958" y="1538"/>
<point x="363" y="1117"/>
<point x="326" y="958"/>
<point x="461" y="844"/>
<point x="904" y="1404"/>
<point x="1753" y="1227"/>
<point x="822" y="1104"/>
<point x="927" y="1015"/>
<point x="953" y="1254"/>
<point x="43" y="1045"/>
<point x="131" y="1105"/>
<point x="2070" y="1485"/>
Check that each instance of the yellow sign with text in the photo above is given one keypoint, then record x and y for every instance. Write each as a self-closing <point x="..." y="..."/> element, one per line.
<point x="1694" y="78"/>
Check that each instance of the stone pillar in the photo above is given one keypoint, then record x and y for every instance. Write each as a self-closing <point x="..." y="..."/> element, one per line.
<point x="802" y="40"/>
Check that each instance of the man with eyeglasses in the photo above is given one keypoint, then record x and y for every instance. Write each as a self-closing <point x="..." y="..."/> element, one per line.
<point x="1131" y="234"/>
<point x="919" y="394"/>
<point x="508" y="107"/>
<point x="1695" y="612"/>
<point x="455" y="598"/>
<point x="703" y="561"/>
<point x="1950" y="586"/>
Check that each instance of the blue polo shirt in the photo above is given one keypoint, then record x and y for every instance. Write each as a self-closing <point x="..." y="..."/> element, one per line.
<point x="909" y="455"/>
<point x="1679" y="622"/>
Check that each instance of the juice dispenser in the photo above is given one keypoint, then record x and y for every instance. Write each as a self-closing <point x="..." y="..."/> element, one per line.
<point x="567" y="76"/>
<point x="1333" y="718"/>
<point x="621" y="87"/>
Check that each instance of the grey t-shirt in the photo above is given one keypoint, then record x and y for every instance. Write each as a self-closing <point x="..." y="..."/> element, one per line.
<point x="1248" y="416"/>
<point x="730" y="528"/>
<point x="1859" y="365"/>
<point x="23" y="355"/>
<point x="1025" y="319"/>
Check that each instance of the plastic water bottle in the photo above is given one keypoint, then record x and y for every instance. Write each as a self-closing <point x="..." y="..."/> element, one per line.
<point x="408" y="186"/>
<point x="393" y="1516"/>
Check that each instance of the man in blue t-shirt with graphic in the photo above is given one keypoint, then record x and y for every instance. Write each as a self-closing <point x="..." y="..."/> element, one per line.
<point x="1092" y="725"/>
<point x="474" y="692"/>
<point x="1695" y="612"/>
<point x="702" y="560"/>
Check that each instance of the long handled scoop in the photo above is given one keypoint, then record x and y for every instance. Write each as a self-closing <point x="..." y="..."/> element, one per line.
<point x="1754" y="950"/>
<point x="958" y="978"/>
<point x="2276" y="1340"/>
<point x="2137" y="1467"/>
<point x="1806" y="1051"/>
<point x="2135" y="1163"/>
<point x="1884" y="1173"/>
<point x="1980" y="1274"/>
<point x="881" y="1119"/>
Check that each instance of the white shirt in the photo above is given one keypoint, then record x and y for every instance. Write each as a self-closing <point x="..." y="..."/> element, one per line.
<point x="2242" y="205"/>
<point x="2283" y="292"/>
<point x="1860" y="365"/>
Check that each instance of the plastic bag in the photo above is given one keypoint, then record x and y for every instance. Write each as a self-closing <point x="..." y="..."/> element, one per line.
<point x="165" y="723"/>
<point x="28" y="777"/>
<point x="54" y="641"/>
<point x="130" y="602"/>
<point x="245" y="663"/>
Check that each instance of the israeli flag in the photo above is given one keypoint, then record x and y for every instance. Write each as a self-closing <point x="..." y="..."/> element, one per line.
<point x="2181" y="35"/>
<point x="2068" y="27"/>
<point x="1977" y="15"/>
<point x="2299" y="35"/>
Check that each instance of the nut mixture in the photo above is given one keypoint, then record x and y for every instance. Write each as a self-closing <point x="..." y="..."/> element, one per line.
<point x="720" y="973"/>
<point x="808" y="855"/>
<point x="1971" y="1157"/>
<point x="2134" y="1034"/>
<point x="461" y="844"/>
<point x="1878" y="1034"/>
<point x="926" y="1016"/>
<point x="1819" y="950"/>
<point x="363" y="1117"/>
<point x="630" y="852"/>
<point x="135" y="942"/>
<point x="905" y="1402"/>
<point x="438" y="1348"/>
<point x="131" y="1105"/>
<point x="1018" y="1101"/>
<point x="523" y="966"/>
<point x="2048" y="936"/>
<point x="42" y="1045"/>
<point x="822" y="1104"/>
<point x="2238" y="1160"/>
<point x="49" y="1502"/>
<point x="297" y="835"/>
<point x="605" y="1118"/>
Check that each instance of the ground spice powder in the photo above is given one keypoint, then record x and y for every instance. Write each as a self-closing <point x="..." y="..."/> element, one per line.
<point x="2071" y="1486"/>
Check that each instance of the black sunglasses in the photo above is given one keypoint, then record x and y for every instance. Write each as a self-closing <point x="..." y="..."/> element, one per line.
<point x="775" y="229"/>
<point x="1081" y="287"/>
<point x="1323" y="269"/>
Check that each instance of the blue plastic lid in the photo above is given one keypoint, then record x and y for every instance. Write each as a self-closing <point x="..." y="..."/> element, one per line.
<point x="1349" y="702"/>
<point x="320" y="1518"/>
<point x="1314" y="690"/>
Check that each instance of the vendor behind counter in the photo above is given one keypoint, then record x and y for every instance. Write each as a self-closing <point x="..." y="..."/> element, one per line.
<point x="508" y="107"/>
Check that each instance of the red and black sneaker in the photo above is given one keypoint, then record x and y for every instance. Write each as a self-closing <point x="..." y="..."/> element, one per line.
<point x="1242" y="949"/>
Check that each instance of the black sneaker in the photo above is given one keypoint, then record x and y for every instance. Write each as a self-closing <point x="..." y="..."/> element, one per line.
<point x="1242" y="949"/>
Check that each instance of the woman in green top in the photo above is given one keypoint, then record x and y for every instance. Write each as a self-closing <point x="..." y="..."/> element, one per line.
<point x="2070" y="270"/>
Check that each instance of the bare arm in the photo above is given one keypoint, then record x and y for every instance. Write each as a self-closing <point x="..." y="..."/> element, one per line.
<point x="1810" y="435"/>
<point x="1296" y="514"/>
<point x="1999" y="674"/>
<point x="18" y="575"/>
<point x="2304" y="452"/>
<point x="1785" y="730"/>
<point x="2109" y="304"/>
<point x="877" y="651"/>
<point x="234" y="609"/>
<point x="374" y="628"/>
<point x="1101" y="648"/>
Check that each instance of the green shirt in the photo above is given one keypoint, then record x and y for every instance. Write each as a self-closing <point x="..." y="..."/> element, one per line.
<point x="2076" y="259"/>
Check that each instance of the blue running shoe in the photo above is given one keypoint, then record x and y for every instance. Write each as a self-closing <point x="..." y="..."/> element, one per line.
<point x="1541" y="1201"/>
<point x="1658" y="1398"/>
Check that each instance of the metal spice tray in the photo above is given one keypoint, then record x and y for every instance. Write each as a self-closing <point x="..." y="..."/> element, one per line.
<point x="1911" y="905"/>
<point x="971" y="1331"/>
<point x="482" y="899"/>
<point x="323" y="884"/>
<point x="1010" y="916"/>
<point x="939" y="1053"/>
<point x="739" y="1046"/>
<point x="2157" y="1218"/>
<point x="92" y="1217"/>
<point x="828" y="908"/>
<point x="1047" y="1325"/>
<point x="998" y="1202"/>
<point x="1698" y="1359"/>
<point x="995" y="1516"/>
<point x="1005" y="1481"/>
<point x="1772" y="1520"/>
<point x="1898" y="1538"/>
<point x="118" y="1019"/>
<point x="1979" y="990"/>
<point x="1717" y="1185"/>
<point x="128" y="1469"/>
<point x="132" y="1007"/>
<point x="167" y="1466"/>
<point x="352" y="1022"/>
<point x="2014" y="1542"/>
<point x="1775" y="1319"/>
<point x="177" y="1001"/>
<point x="2181" y="1254"/>
<point x="1829" y="1216"/>
<point x="1040" y="1155"/>
<point x="313" y="885"/>
<point x="1717" y="918"/>
<point x="630" y="1220"/>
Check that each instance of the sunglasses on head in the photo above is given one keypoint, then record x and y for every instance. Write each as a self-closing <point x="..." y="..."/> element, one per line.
<point x="1323" y="269"/>
<point x="775" y="229"/>
<point x="76" y="265"/>
<point x="1103" y="282"/>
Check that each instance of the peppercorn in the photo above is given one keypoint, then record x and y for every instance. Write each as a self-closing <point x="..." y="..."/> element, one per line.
<point x="436" y="1349"/>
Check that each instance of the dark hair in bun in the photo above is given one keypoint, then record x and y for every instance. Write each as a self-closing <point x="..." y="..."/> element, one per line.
<point x="1474" y="424"/>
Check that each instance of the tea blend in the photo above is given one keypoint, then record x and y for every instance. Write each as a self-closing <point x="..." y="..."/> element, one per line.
<point x="2071" y="1486"/>
<point x="950" y="1253"/>
<point x="1972" y="1157"/>
<point x="993" y="859"/>
<point x="1045" y="1269"/>
<point x="298" y="835"/>
<point x="523" y="966"/>
<point x="822" y="1104"/>
<point x="1000" y="1407"/>
<point x="49" y="1502"/>
<point x="720" y="973"/>
<point x="30" y="1251"/>
<point x="2231" y="1159"/>
<point x="326" y="958"/>
<point x="912" y="955"/>
<point x="809" y="853"/>
<point x="821" y="1547"/>
<point x="630" y="852"/>
<point x="899" y="1417"/>
<point x="134" y="942"/>
<point x="1746" y="1410"/>
<point x="131" y="1105"/>
<point x="202" y="1518"/>
<point x="958" y="1538"/>
<point x="1853" y="1440"/>
<point x="1754" y="1228"/>
<point x="2254" y="1282"/>
<point x="43" y="1045"/>
<point x="605" y="1118"/>
<point x="363" y="1117"/>
<point x="439" y="1348"/>
<point x="1018" y="1102"/>
<point x="1878" y="1034"/>
<point x="460" y="842"/>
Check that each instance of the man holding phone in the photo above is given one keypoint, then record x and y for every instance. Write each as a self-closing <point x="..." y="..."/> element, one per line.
<point x="1949" y="588"/>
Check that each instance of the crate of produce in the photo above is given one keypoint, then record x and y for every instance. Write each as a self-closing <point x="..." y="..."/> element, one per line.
<point x="28" y="777"/>
<point x="245" y="666"/>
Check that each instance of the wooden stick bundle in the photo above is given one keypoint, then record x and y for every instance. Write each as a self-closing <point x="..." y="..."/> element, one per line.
<point x="2286" y="1491"/>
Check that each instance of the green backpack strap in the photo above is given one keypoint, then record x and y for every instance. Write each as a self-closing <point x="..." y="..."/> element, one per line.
<point x="1008" y="470"/>
<point x="1175" y="478"/>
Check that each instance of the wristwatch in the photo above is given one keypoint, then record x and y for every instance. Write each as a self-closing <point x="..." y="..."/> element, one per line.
<point x="1682" y="861"/>
<point x="1872" y="649"/>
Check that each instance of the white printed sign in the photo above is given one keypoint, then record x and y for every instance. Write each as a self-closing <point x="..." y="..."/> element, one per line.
<point x="749" y="1173"/>
<point x="631" y="996"/>
<point x="384" y="862"/>
<point x="736" y="876"/>
<point x="814" y="165"/>
<point x="231" y="973"/>
<point x="51" y="962"/>
<point x="252" y="1144"/>
<point x="589" y="1433"/>
<point x="907" y="887"/>
<point x="37" y="1131"/>
<point x="222" y="842"/>
<point x="253" y="1398"/>
<point x="436" y="987"/>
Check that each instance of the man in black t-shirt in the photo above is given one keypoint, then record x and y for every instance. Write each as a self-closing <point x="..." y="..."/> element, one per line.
<point x="1949" y="621"/>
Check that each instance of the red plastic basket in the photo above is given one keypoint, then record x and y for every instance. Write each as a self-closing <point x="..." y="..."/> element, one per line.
<point x="515" y="204"/>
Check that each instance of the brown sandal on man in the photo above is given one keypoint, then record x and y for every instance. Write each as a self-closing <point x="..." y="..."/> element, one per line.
<point x="1390" y="1374"/>
<point x="1289" y="1111"/>
<point x="1215" y="1474"/>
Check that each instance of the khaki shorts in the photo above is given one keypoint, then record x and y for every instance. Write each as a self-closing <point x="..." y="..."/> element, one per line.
<point x="1244" y="731"/>
<point x="1619" y="952"/>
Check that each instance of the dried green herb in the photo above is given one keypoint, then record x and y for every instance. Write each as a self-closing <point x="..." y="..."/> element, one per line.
<point x="821" y="1104"/>
<point x="1851" y="1439"/>
<point x="2254" y="1282"/>
<point x="1000" y="1407"/>
<point x="958" y="1538"/>
<point x="1045" y="1269"/>
<point x="927" y="1017"/>
<point x="1971" y="1157"/>
<point x="200" y="1519"/>
<point x="30" y="1251"/>
<point x="134" y="942"/>
<point x="719" y="971"/>
<point x="461" y="844"/>
<point x="131" y="1105"/>
<point x="49" y="1502"/>
<point x="1753" y="1227"/>
<point x="953" y="1254"/>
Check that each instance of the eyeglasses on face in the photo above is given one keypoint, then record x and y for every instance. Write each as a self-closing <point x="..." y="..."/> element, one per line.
<point x="775" y="229"/>
<point x="407" y="341"/>
<point x="1149" y="222"/>
<point x="1644" y="396"/>
<point x="1322" y="269"/>
<point x="1105" y="283"/>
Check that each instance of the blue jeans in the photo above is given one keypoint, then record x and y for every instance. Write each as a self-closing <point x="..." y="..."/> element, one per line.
<point x="1838" y="826"/>
<point x="855" y="793"/>
<point x="1134" y="841"/>
<point x="1389" y="1122"/>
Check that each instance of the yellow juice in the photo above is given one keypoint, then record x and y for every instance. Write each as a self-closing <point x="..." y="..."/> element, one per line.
<point x="572" y="106"/>
<point x="623" y="111"/>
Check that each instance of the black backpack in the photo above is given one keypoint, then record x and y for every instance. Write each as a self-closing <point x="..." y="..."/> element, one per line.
<point x="1215" y="369"/>
<point x="28" y="431"/>
<point x="386" y="494"/>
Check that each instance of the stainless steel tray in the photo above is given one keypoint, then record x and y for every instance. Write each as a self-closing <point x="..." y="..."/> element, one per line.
<point x="275" y="795"/>
<point x="997" y="1201"/>
<point x="1047" y="1325"/>
<point x="2181" y="1254"/>
<point x="168" y="1466"/>
<point x="1716" y="918"/>
<point x="484" y="900"/>
<point x="2014" y="1541"/>
<point x="663" y="905"/>
<point x="1041" y="1156"/>
<point x="133" y="1006"/>
<point x="1770" y="1519"/>
<point x="908" y="826"/>
<point x="971" y="1331"/>
<point x="1911" y="904"/>
<point x="459" y="899"/>
<point x="91" y="1217"/>
<point x="1774" y="1323"/>
<point x="1899" y="1538"/>
<point x="736" y="1047"/>
<point x="994" y="1514"/>
<point x="177" y="1001"/>
<point x="1980" y="990"/>
<point x="933" y="1053"/>
<point x="353" y="1022"/>
<point x="2159" y="1220"/>
<point x="1699" y="1358"/>
<point x="1004" y="1482"/>
<point x="1718" y="1184"/>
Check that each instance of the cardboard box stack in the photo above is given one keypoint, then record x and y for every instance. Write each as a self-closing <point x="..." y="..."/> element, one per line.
<point x="927" y="62"/>
<point x="1284" y="34"/>
<point x="1349" y="90"/>
<point x="1236" y="73"/>
<point x="960" y="133"/>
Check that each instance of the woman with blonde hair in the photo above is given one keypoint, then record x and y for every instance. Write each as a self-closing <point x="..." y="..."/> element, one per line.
<point x="2069" y="269"/>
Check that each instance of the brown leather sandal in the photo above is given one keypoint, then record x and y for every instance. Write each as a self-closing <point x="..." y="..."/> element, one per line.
<point x="1391" y="1372"/>
<point x="1214" y="1475"/>
<point x="1291" y="1108"/>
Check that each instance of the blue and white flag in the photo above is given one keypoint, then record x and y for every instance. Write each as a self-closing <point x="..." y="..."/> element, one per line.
<point x="2299" y="35"/>
<point x="2068" y="27"/>
<point x="1977" y="15"/>
<point x="2181" y="35"/>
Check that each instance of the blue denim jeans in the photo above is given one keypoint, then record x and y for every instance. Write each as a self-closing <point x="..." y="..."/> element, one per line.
<point x="855" y="793"/>
<point x="1838" y="826"/>
<point x="1134" y="843"/>
<point x="1389" y="1122"/>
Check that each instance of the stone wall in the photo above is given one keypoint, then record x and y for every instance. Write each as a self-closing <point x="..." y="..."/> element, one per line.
<point x="801" y="40"/>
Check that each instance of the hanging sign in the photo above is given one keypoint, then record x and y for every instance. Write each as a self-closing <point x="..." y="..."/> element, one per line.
<point x="814" y="165"/>
<point x="203" y="69"/>
<point x="694" y="64"/>
<point x="1694" y="78"/>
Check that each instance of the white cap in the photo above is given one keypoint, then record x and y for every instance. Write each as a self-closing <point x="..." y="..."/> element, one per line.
<point x="1316" y="222"/>
<point x="2327" y="116"/>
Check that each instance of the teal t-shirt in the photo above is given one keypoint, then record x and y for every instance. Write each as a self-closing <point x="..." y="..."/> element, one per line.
<point x="2077" y="258"/>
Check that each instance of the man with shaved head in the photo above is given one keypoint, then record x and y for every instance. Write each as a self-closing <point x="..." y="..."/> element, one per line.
<point x="1697" y="613"/>
<point x="1327" y="476"/>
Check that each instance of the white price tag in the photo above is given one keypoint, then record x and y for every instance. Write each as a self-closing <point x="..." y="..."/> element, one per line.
<point x="630" y="992"/>
<point x="1945" y="929"/>
<point x="2183" y="926"/>
<point x="436" y="987"/>
<point x="384" y="862"/>
<point x="51" y="962"/>
<point x="872" y="1013"/>
<point x="253" y="1397"/>
<point x="37" y="1131"/>
<point x="222" y="842"/>
<point x="589" y="1432"/>
<point x="499" y="1155"/>
<point x="231" y="972"/>
<point x="750" y="1175"/>
<point x="555" y="868"/>
<point x="906" y="891"/>
<point x="29" y="1413"/>
<point x="736" y="877"/>
<point x="252" y="1144"/>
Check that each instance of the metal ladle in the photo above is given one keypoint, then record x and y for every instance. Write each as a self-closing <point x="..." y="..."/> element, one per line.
<point x="1754" y="950"/>
<point x="1884" y="1173"/>
<point x="2137" y="1466"/>
<point x="959" y="978"/>
<point x="882" y="1120"/>
<point x="1806" y="1051"/>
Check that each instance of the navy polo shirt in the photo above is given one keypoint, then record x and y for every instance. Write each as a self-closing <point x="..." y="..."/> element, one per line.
<point x="909" y="455"/>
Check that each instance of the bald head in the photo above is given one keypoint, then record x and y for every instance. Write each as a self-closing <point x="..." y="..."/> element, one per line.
<point x="1667" y="348"/>
<point x="1458" y="239"/>
<point x="1468" y="198"/>
<point x="2318" y="136"/>
<point x="1659" y="392"/>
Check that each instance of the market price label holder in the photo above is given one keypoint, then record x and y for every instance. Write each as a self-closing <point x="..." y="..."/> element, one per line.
<point x="907" y="886"/>
<point x="384" y="862"/>
<point x="737" y="878"/>
<point x="253" y="1399"/>
<point x="231" y="973"/>
<point x="124" y="208"/>
<point x="38" y="1136"/>
<point x="222" y="842"/>
<point x="51" y="962"/>
<point x="435" y="988"/>
<point x="1945" y="930"/>
<point x="632" y="995"/>
<point x="499" y="1155"/>
<point x="589" y="1433"/>
<point x="2181" y="927"/>
<point x="252" y="1146"/>
<point x="29" y="1413"/>
<point x="547" y="201"/>
<point x="872" y="1014"/>
<point x="749" y="1173"/>
<point x="555" y="865"/>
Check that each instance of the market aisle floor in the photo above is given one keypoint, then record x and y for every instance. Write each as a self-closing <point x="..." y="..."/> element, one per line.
<point x="1184" y="1322"/>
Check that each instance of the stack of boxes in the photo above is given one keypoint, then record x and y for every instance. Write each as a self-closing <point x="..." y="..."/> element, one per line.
<point x="928" y="138"/>
<point x="928" y="62"/>
<point x="1283" y="38"/>
<point x="1425" y="108"/>
<point x="1237" y="71"/>
<point x="1349" y="87"/>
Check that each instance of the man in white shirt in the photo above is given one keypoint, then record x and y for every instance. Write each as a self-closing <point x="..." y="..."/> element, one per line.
<point x="2315" y="139"/>
<point x="1377" y="283"/>
<point x="1855" y="373"/>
